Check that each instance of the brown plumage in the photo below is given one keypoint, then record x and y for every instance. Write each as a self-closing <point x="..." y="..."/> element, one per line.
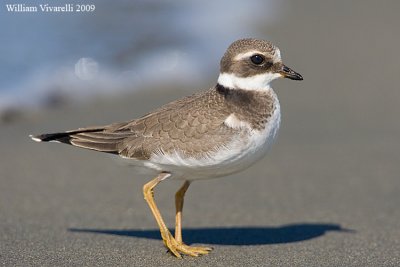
<point x="193" y="125"/>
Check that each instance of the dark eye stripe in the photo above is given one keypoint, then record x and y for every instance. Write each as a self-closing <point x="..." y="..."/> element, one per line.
<point x="269" y="64"/>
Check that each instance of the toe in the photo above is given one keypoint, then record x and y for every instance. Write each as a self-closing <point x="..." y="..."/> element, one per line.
<point x="178" y="248"/>
<point x="197" y="250"/>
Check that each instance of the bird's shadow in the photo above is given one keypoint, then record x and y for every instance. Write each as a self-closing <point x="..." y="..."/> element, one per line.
<point x="237" y="236"/>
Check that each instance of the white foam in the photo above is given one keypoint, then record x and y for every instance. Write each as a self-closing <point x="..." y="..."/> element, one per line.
<point x="46" y="68"/>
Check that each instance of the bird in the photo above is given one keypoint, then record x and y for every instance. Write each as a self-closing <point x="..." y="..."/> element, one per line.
<point x="210" y="134"/>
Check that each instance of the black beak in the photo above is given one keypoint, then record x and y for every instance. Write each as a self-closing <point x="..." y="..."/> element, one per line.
<point x="287" y="72"/>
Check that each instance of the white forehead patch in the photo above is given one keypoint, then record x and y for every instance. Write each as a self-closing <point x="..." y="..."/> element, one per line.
<point x="246" y="55"/>
<point x="276" y="55"/>
<point x="259" y="82"/>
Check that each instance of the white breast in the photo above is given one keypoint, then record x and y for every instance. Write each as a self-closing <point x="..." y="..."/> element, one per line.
<point x="245" y="149"/>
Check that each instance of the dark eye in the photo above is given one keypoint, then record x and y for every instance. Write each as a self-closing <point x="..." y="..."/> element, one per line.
<point x="257" y="59"/>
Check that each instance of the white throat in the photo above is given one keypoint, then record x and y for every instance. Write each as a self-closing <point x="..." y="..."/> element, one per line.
<point x="259" y="82"/>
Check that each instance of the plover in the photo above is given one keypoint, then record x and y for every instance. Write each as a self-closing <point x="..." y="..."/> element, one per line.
<point x="210" y="134"/>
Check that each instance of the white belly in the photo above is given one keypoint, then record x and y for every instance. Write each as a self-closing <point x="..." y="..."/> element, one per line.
<point x="244" y="150"/>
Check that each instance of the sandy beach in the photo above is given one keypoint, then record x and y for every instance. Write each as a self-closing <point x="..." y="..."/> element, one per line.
<point x="327" y="194"/>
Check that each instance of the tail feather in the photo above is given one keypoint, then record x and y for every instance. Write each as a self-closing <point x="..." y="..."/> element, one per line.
<point x="103" y="147"/>
<point x="62" y="137"/>
<point x="52" y="137"/>
<point x="90" y="138"/>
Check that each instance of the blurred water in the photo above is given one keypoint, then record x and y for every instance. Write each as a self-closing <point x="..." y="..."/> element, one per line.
<point x="122" y="45"/>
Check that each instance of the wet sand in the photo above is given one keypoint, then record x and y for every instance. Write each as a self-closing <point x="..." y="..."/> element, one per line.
<point x="328" y="194"/>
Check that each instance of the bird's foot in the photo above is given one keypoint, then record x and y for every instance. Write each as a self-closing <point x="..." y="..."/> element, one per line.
<point x="179" y="248"/>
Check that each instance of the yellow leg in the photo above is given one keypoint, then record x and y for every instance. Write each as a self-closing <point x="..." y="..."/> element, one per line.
<point x="175" y="247"/>
<point x="179" y="199"/>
